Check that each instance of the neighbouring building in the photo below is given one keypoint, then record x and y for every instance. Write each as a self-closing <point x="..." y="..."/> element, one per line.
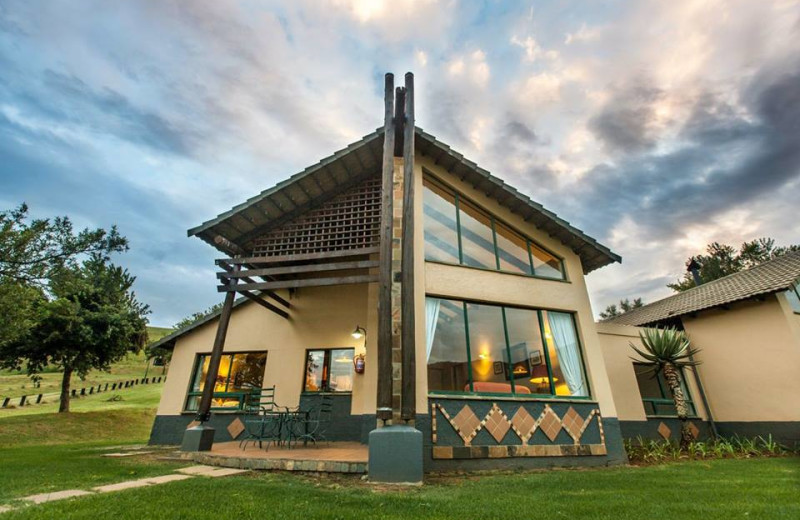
<point x="502" y="364"/>
<point x="747" y="327"/>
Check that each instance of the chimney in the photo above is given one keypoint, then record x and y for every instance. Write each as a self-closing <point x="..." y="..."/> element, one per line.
<point x="694" y="267"/>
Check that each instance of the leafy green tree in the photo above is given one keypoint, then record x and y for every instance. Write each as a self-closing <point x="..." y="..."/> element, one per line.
<point x="197" y="316"/>
<point x="612" y="311"/>
<point x="721" y="260"/>
<point x="669" y="350"/>
<point x="31" y="251"/>
<point x="90" y="320"/>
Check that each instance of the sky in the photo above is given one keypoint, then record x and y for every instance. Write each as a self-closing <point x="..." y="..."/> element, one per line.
<point x="655" y="127"/>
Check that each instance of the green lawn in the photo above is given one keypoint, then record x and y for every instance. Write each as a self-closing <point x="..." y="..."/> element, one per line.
<point x="136" y="397"/>
<point x="15" y="384"/>
<point x="50" y="452"/>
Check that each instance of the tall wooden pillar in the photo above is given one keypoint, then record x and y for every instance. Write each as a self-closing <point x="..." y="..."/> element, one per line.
<point x="204" y="409"/>
<point x="384" y="411"/>
<point x="408" y="334"/>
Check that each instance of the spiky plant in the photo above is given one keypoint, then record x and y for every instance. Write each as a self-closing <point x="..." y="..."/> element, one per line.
<point x="669" y="350"/>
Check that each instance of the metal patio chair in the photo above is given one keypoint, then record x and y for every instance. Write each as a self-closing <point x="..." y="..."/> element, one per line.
<point x="262" y="418"/>
<point x="312" y="424"/>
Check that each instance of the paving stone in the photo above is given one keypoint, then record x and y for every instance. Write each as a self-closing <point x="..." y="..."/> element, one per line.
<point x="222" y="472"/>
<point x="126" y="454"/>
<point x="196" y="470"/>
<point x="168" y="478"/>
<point x="56" y="495"/>
<point x="129" y="484"/>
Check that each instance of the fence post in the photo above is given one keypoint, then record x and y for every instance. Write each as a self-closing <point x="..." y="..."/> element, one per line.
<point x="74" y="393"/>
<point x="83" y="391"/>
<point x="5" y="402"/>
<point x="106" y="388"/>
<point x="38" y="398"/>
<point x="22" y="400"/>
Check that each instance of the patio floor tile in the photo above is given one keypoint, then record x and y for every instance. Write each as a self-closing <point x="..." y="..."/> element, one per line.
<point x="129" y="484"/>
<point x="196" y="470"/>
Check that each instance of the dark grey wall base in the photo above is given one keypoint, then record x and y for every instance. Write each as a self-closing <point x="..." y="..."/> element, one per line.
<point x="649" y="429"/>
<point x="168" y="429"/>
<point x="787" y="433"/>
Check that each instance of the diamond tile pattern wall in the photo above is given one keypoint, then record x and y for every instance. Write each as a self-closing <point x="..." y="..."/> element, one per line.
<point x="664" y="430"/>
<point x="496" y="422"/>
<point x="235" y="428"/>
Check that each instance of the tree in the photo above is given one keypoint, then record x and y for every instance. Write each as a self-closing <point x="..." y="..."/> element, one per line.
<point x="197" y="316"/>
<point x="669" y="350"/>
<point x="31" y="251"/>
<point x="612" y="311"/>
<point x="722" y="260"/>
<point x="90" y="320"/>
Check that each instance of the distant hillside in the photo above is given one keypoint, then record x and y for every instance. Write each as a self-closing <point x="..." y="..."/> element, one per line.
<point x="156" y="333"/>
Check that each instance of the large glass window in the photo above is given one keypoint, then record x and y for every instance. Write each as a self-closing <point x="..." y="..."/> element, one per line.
<point x="329" y="370"/>
<point x="440" y="227"/>
<point x="239" y="376"/>
<point x="459" y="232"/>
<point x="475" y="347"/>
<point x="656" y="396"/>
<point x="793" y="295"/>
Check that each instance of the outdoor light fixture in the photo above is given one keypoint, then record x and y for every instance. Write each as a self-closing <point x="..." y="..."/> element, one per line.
<point x="359" y="333"/>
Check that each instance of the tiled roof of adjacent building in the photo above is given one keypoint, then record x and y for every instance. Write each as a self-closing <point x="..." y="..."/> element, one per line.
<point x="772" y="276"/>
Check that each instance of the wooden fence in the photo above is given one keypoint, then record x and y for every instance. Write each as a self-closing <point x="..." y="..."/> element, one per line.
<point x="102" y="387"/>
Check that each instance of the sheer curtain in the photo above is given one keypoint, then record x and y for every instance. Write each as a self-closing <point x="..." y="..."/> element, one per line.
<point x="432" y="306"/>
<point x="569" y="356"/>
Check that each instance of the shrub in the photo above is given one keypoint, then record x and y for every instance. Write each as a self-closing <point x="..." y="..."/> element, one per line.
<point x="650" y="451"/>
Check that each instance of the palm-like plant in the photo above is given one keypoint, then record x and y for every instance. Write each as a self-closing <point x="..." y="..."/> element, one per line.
<point x="669" y="350"/>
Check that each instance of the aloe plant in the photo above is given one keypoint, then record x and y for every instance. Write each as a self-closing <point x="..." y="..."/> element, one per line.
<point x="668" y="351"/>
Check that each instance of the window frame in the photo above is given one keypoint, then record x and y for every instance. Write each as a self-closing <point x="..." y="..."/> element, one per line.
<point x="665" y="398"/>
<point x="796" y="290"/>
<point x="241" y="395"/>
<point x="326" y="362"/>
<point x="513" y="395"/>
<point x="494" y="220"/>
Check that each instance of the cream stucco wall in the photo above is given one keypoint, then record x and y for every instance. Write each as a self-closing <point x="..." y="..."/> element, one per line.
<point x="615" y="341"/>
<point x="750" y="358"/>
<point x="321" y="317"/>
<point x="503" y="288"/>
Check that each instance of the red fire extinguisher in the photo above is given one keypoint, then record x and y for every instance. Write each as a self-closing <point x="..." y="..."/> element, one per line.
<point x="358" y="363"/>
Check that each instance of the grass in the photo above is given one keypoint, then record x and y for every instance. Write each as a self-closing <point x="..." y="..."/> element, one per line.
<point x="52" y="452"/>
<point x="17" y="383"/>
<point x="138" y="397"/>
<point x="722" y="489"/>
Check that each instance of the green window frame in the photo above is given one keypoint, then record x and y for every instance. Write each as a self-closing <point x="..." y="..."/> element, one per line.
<point x="537" y="255"/>
<point x="332" y="359"/>
<point x="661" y="404"/>
<point x="510" y="360"/>
<point x="231" y="397"/>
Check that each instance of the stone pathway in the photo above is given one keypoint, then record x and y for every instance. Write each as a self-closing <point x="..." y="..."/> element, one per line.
<point x="180" y="474"/>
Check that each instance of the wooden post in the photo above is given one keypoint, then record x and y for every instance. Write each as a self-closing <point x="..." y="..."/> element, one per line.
<point x="408" y="331"/>
<point x="204" y="409"/>
<point x="384" y="411"/>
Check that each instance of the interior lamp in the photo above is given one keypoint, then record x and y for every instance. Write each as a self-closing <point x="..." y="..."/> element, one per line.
<point x="540" y="376"/>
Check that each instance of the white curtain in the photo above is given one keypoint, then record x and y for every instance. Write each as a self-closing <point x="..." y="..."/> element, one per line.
<point x="569" y="356"/>
<point x="431" y="317"/>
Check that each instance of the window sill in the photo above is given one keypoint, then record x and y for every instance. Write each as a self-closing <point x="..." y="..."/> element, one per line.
<point x="214" y="412"/>
<point x="508" y="397"/>
<point x="304" y="393"/>
<point x="497" y="271"/>
<point x="689" y="417"/>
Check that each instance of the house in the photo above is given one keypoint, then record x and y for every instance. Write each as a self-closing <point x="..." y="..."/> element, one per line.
<point x="747" y="327"/>
<point x="468" y="298"/>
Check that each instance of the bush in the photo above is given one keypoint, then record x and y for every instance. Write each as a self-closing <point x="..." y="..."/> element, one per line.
<point x="651" y="451"/>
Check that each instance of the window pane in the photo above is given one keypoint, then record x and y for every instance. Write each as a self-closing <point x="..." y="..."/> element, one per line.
<point x="341" y="371"/>
<point x="439" y="225"/>
<point x="247" y="371"/>
<point x="565" y="355"/>
<point x="794" y="300"/>
<point x="648" y="383"/>
<point x="315" y="367"/>
<point x="487" y="343"/>
<point x="545" y="264"/>
<point x="446" y="346"/>
<point x="477" y="243"/>
<point x="512" y="250"/>
<point x="527" y="352"/>
<point x="200" y="375"/>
